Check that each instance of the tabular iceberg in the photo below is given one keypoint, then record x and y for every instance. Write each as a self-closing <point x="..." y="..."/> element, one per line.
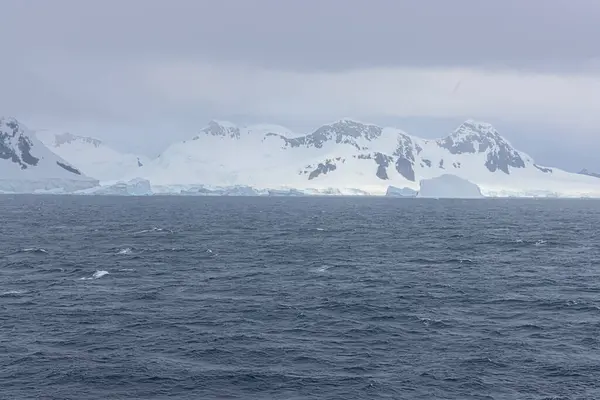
<point x="449" y="187"/>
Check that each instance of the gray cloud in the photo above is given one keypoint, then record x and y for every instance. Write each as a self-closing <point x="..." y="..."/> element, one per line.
<point x="312" y="34"/>
<point x="142" y="73"/>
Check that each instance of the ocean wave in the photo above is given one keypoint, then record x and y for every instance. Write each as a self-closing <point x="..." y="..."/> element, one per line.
<point x="97" y="275"/>
<point x="154" y="230"/>
<point x="12" y="293"/>
<point x="32" y="250"/>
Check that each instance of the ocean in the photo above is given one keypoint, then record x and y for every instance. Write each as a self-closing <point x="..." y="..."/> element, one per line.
<point x="298" y="298"/>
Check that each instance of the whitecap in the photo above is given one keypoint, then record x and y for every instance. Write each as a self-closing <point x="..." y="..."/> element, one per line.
<point x="324" y="268"/>
<point x="96" y="275"/>
<point x="127" y="250"/>
<point x="540" y="242"/>
<point x="37" y="250"/>
<point x="127" y="270"/>
<point x="144" y="231"/>
<point x="13" y="293"/>
<point x="429" y="321"/>
<point x="154" y="229"/>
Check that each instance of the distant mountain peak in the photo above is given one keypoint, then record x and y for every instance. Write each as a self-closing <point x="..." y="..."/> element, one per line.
<point x="223" y="123"/>
<point x="481" y="137"/>
<point x="347" y="121"/>
<point x="66" y="138"/>
<point x="10" y="121"/>
<point x="91" y="156"/>
<point x="221" y="129"/>
<point x="348" y="128"/>
<point x="15" y="145"/>
<point x="472" y="130"/>
<point x="587" y="172"/>
<point x="345" y="131"/>
<point x="472" y="125"/>
<point x="27" y="165"/>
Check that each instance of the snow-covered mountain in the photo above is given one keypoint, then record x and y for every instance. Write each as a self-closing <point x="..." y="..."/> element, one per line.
<point x="350" y="157"/>
<point x="589" y="173"/>
<point x="91" y="156"/>
<point x="27" y="166"/>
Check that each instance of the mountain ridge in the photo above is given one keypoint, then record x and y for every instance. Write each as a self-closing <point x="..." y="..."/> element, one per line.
<point x="91" y="155"/>
<point x="349" y="155"/>
<point x="26" y="165"/>
<point x="342" y="157"/>
<point x="585" y="171"/>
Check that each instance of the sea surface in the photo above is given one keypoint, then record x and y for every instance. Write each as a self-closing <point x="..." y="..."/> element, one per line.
<point x="298" y="298"/>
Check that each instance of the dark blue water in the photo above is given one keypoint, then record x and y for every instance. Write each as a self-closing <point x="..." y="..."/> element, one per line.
<point x="265" y="298"/>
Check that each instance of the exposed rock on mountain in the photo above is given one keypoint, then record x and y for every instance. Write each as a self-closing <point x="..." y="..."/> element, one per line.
<point x="27" y="166"/>
<point x="589" y="173"/>
<point x="350" y="157"/>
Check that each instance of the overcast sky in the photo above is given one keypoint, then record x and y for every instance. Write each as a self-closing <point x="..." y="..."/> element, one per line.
<point x="143" y="73"/>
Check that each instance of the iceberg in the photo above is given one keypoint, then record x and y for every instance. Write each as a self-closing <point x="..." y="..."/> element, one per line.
<point x="134" y="187"/>
<point x="449" y="187"/>
<point x="393" y="191"/>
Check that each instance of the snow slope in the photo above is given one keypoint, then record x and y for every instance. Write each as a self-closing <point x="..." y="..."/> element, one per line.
<point x="91" y="156"/>
<point x="27" y="166"/>
<point x="350" y="157"/>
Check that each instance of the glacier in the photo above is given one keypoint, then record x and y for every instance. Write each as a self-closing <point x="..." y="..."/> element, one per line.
<point x="133" y="187"/>
<point x="400" y="192"/>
